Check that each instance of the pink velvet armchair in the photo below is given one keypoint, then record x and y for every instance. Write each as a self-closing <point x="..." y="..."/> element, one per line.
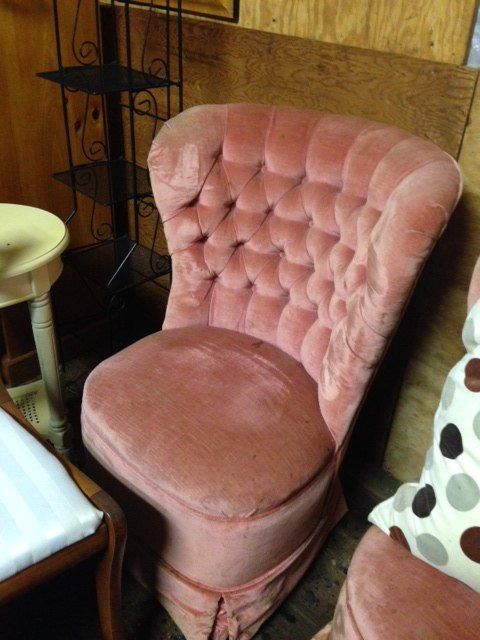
<point x="296" y="239"/>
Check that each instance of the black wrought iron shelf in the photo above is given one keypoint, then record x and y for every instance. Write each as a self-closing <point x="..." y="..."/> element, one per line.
<point x="118" y="265"/>
<point x="108" y="78"/>
<point x="107" y="182"/>
<point x="104" y="167"/>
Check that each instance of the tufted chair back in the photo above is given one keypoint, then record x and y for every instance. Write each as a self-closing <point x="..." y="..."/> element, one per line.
<point x="304" y="230"/>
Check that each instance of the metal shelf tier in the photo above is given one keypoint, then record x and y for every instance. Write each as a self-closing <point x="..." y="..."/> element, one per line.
<point x="108" y="78"/>
<point x="118" y="265"/>
<point x="107" y="182"/>
<point x="131" y="84"/>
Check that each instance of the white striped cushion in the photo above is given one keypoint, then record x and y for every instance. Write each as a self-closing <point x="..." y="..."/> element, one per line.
<point x="41" y="509"/>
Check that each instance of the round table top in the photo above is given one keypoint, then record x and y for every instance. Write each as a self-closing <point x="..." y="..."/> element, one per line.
<point x="29" y="238"/>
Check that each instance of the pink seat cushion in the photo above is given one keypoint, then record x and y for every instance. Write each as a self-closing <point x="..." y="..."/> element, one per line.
<point x="389" y="593"/>
<point x="225" y="423"/>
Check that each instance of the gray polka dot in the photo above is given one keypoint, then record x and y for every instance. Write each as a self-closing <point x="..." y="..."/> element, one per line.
<point x="468" y="334"/>
<point x="448" y="392"/>
<point x="432" y="549"/>
<point x="462" y="492"/>
<point x="429" y="458"/>
<point x="476" y="425"/>
<point x="404" y="496"/>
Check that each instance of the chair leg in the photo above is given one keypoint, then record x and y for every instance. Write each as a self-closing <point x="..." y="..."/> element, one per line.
<point x="108" y="576"/>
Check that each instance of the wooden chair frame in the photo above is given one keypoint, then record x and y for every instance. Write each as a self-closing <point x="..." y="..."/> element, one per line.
<point x="107" y="543"/>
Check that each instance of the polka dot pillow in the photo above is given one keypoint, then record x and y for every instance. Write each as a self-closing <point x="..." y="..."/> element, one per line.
<point x="438" y="519"/>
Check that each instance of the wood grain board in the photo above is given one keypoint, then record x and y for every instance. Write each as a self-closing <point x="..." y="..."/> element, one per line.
<point x="431" y="29"/>
<point x="227" y="64"/>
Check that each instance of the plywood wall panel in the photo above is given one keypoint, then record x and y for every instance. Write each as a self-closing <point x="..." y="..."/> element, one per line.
<point x="438" y="345"/>
<point x="431" y="29"/>
<point x="227" y="64"/>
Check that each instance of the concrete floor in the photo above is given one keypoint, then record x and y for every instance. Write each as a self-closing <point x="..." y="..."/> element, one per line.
<point x="65" y="609"/>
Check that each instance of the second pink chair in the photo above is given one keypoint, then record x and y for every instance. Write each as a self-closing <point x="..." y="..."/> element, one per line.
<point x="296" y="239"/>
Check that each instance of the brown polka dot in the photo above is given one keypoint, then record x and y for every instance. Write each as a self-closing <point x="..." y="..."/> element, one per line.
<point x="472" y="375"/>
<point x="470" y="543"/>
<point x="397" y="534"/>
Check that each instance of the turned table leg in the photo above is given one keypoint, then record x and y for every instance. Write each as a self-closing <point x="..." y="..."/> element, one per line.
<point x="44" y="335"/>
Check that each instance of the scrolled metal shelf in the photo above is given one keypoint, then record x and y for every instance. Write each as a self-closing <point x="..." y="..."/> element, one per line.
<point x="119" y="264"/>
<point x="107" y="182"/>
<point x="107" y="78"/>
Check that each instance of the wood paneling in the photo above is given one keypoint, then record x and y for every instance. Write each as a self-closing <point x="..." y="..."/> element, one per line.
<point x="438" y="345"/>
<point x="228" y="64"/>
<point x="430" y="29"/>
<point x="31" y="122"/>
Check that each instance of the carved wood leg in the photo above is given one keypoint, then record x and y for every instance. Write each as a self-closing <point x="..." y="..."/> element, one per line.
<point x="44" y="336"/>
<point x="109" y="569"/>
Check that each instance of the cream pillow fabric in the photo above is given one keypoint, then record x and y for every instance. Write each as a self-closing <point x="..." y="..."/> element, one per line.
<point x="438" y="518"/>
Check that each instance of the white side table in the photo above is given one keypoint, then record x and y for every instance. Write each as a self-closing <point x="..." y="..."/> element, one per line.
<point x="31" y="242"/>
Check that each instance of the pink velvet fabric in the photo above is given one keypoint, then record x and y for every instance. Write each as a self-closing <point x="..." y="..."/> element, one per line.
<point x="302" y="229"/>
<point x="389" y="593"/>
<point x="240" y="418"/>
<point x="296" y="239"/>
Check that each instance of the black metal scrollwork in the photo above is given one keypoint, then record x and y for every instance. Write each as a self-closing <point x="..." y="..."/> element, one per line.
<point x="95" y="150"/>
<point x="147" y="208"/>
<point x="145" y="104"/>
<point x="87" y="177"/>
<point x="86" y="53"/>
<point x="156" y="66"/>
